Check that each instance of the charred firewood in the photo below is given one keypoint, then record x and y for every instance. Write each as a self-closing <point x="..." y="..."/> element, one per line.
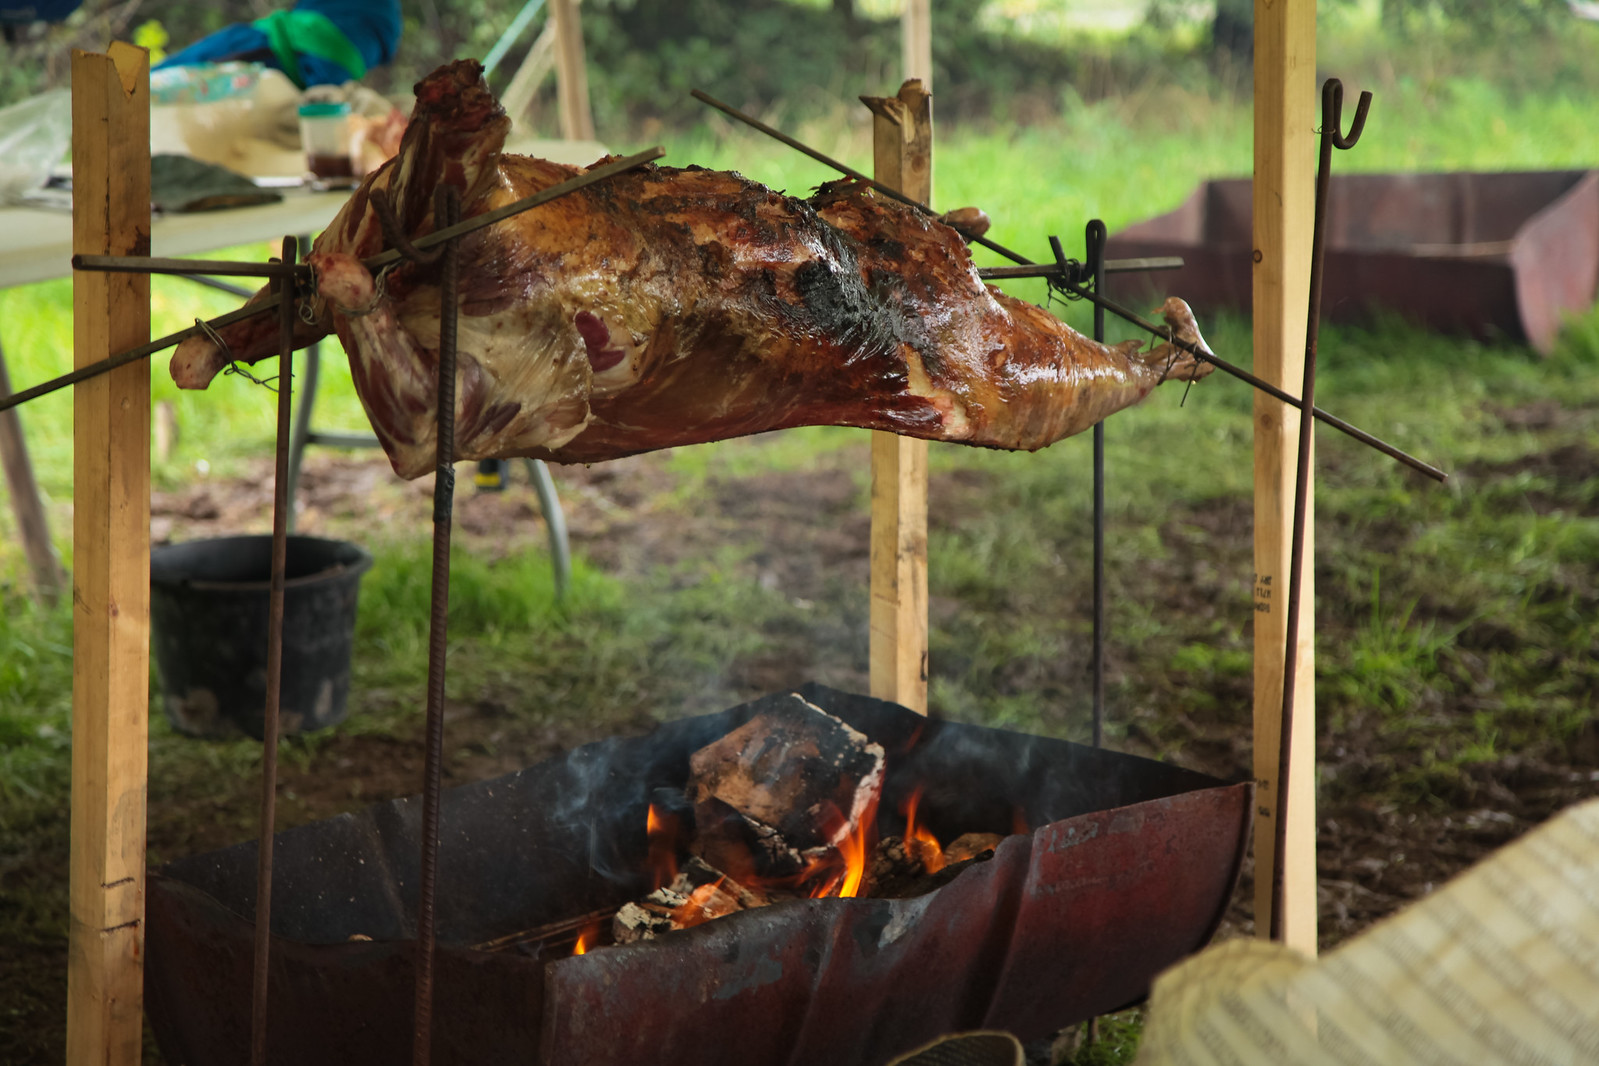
<point x="797" y="777"/>
<point x="698" y="894"/>
<point x="970" y="846"/>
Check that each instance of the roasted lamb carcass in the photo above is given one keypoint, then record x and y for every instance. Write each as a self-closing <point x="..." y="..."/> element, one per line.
<point x="664" y="307"/>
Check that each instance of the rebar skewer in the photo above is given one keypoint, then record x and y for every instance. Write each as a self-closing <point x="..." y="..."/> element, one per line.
<point x="1094" y="254"/>
<point x="438" y="633"/>
<point x="274" y="664"/>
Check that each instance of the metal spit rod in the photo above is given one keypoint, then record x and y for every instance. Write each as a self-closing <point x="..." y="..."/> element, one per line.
<point x="1099" y="301"/>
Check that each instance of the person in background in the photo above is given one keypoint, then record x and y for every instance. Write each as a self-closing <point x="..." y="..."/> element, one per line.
<point x="316" y="42"/>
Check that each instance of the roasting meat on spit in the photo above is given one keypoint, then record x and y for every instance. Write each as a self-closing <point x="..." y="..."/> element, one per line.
<point x="664" y="307"/>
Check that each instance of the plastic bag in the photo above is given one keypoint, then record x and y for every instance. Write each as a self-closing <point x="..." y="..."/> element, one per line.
<point x="35" y="135"/>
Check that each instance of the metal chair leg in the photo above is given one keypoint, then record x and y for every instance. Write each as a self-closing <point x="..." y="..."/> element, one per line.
<point x="555" y="519"/>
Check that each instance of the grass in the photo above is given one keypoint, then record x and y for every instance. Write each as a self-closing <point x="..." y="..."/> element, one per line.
<point x="1456" y="624"/>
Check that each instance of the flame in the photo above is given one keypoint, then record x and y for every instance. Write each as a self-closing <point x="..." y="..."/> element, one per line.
<point x="842" y="871"/>
<point x="919" y="840"/>
<point x="661" y="828"/>
<point x="585" y="940"/>
<point x="853" y="849"/>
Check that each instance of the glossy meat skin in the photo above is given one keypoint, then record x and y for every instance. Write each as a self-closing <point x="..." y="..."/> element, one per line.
<point x="664" y="307"/>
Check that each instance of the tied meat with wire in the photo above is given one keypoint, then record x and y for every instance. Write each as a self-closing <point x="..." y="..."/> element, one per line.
<point x="666" y="306"/>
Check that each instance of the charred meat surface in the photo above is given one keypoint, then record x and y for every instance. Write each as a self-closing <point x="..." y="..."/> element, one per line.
<point x="666" y="306"/>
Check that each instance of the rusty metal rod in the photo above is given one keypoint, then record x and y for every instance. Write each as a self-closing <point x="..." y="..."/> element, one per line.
<point x="1260" y="383"/>
<point x="1094" y="237"/>
<point x="138" y="264"/>
<point x="135" y="265"/>
<point x="1110" y="305"/>
<point x="274" y="664"/>
<point x="1332" y="136"/>
<point x="447" y="207"/>
<point x="1051" y="270"/>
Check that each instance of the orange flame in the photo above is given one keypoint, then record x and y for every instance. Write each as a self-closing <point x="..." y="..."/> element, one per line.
<point x="853" y="850"/>
<point x="842" y="871"/>
<point x="919" y="840"/>
<point x="661" y="829"/>
<point x="585" y="940"/>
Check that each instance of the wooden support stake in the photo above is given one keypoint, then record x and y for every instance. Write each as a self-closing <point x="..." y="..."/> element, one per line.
<point x="902" y="156"/>
<point x="571" y="73"/>
<point x="111" y="561"/>
<point x="916" y="43"/>
<point x="1284" y="213"/>
<point x="32" y="526"/>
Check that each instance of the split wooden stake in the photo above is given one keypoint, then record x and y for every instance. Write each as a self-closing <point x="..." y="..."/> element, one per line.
<point x="111" y="561"/>
<point x="902" y="157"/>
<point x="1284" y="212"/>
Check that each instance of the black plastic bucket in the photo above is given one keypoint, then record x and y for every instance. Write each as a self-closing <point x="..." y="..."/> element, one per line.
<point x="208" y="606"/>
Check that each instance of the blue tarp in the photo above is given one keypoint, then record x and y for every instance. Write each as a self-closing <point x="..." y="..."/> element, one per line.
<point x="372" y="26"/>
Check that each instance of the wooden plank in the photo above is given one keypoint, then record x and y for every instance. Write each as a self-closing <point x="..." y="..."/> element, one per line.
<point x="916" y="42"/>
<point x="111" y="561"/>
<point x="902" y="155"/>
<point x="1284" y="208"/>
<point x="571" y="73"/>
<point x="33" y="528"/>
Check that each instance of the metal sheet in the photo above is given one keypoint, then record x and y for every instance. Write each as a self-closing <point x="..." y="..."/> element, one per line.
<point x="1490" y="255"/>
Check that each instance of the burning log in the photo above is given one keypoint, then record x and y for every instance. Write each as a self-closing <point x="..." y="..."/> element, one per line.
<point x="908" y="866"/>
<point x="780" y="792"/>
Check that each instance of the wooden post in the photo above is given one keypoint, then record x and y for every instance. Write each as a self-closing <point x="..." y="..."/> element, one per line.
<point x="902" y="156"/>
<point x="1284" y="209"/>
<point x="571" y="75"/>
<point x="32" y="527"/>
<point x="111" y="561"/>
<point x="916" y="42"/>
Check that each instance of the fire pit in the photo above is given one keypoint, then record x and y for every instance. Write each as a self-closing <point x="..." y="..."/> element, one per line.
<point x="1130" y="869"/>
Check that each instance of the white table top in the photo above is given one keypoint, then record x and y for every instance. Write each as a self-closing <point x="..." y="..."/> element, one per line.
<point x="37" y="242"/>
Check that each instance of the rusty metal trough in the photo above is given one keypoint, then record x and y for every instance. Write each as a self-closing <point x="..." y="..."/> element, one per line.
<point x="1130" y="870"/>
<point x="1490" y="255"/>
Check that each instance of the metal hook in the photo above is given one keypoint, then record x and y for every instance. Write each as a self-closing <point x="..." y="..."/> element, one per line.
<point x="1332" y="114"/>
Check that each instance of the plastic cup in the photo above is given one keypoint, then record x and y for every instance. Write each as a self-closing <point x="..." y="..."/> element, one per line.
<point x="325" y="136"/>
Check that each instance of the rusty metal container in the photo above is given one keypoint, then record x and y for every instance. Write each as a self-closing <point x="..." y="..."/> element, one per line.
<point x="1489" y="255"/>
<point x="1131" y="869"/>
